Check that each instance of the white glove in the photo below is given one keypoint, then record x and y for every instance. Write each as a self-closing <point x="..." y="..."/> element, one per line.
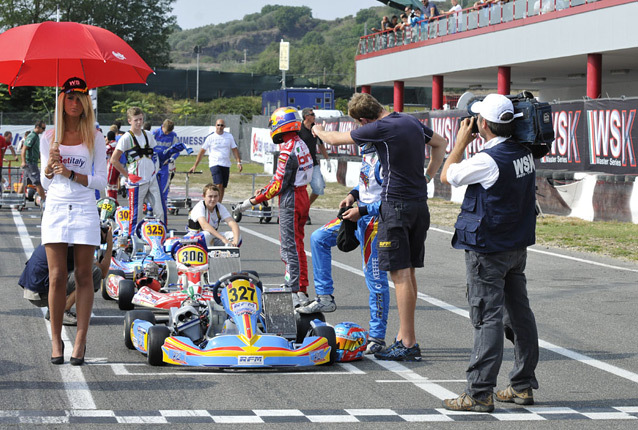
<point x="244" y="206"/>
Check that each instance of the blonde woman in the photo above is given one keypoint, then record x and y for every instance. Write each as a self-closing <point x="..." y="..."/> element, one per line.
<point x="73" y="160"/>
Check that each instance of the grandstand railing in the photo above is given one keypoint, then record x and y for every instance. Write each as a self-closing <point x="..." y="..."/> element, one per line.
<point x="466" y="20"/>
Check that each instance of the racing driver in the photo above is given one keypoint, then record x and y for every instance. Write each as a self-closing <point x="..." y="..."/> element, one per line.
<point x="293" y="173"/>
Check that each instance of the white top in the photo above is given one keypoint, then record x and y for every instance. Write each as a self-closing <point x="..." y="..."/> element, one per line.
<point x="218" y="147"/>
<point x="200" y="210"/>
<point x="146" y="168"/>
<point x="60" y="190"/>
<point x="480" y="169"/>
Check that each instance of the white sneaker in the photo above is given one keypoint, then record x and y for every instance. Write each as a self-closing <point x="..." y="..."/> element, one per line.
<point x="303" y="298"/>
<point x="375" y="345"/>
<point x="323" y="303"/>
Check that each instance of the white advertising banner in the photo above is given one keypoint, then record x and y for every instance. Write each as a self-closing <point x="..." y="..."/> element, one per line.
<point x="260" y="144"/>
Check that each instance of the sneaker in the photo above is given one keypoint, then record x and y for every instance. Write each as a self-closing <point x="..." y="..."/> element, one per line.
<point x="375" y="345"/>
<point x="323" y="303"/>
<point x="510" y="395"/>
<point x="465" y="402"/>
<point x="398" y="352"/>
<point x="69" y="318"/>
<point x="303" y="298"/>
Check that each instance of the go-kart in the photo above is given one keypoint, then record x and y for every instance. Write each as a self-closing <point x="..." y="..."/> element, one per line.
<point x="245" y="326"/>
<point x="145" y="258"/>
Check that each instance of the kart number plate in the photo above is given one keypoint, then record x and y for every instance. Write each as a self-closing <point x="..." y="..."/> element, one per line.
<point x="123" y="215"/>
<point x="242" y="297"/>
<point x="154" y="230"/>
<point x="193" y="255"/>
<point x="106" y="206"/>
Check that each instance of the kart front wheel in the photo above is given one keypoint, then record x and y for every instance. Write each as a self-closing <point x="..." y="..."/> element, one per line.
<point x="105" y="294"/>
<point x="303" y="324"/>
<point x="329" y="333"/>
<point x="156" y="337"/>
<point x="126" y="293"/>
<point x="129" y="318"/>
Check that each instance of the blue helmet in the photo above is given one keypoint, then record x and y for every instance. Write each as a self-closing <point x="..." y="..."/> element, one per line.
<point x="351" y="341"/>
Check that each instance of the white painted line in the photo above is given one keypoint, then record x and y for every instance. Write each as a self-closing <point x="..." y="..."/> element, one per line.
<point x="551" y="410"/>
<point x="239" y="419"/>
<point x="517" y="417"/>
<point x="426" y="418"/>
<point x="371" y="412"/>
<point x="184" y="413"/>
<point x="141" y="420"/>
<point x="609" y="416"/>
<point x="331" y="418"/>
<point x="614" y="370"/>
<point x="278" y="412"/>
<point x="77" y="390"/>
<point x="628" y="409"/>
<point x="419" y="381"/>
<point x="554" y="254"/>
<point x="390" y="381"/>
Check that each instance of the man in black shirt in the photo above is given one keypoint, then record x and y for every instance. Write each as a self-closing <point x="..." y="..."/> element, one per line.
<point x="317" y="184"/>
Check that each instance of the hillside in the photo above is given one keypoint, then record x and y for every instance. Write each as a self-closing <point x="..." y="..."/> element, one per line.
<point x="321" y="51"/>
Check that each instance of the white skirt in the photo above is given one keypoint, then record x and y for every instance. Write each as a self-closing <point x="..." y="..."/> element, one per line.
<point x="71" y="223"/>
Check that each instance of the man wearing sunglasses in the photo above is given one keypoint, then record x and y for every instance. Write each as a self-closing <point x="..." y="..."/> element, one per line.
<point x="219" y="145"/>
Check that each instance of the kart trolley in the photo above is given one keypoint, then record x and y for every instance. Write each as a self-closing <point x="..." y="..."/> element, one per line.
<point x="11" y="178"/>
<point x="173" y="204"/>
<point x="263" y="211"/>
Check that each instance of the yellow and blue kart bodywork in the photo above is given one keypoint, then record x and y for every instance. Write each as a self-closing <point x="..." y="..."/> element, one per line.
<point x="246" y="348"/>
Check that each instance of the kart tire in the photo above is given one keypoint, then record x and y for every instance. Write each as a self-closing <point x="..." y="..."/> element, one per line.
<point x="236" y="215"/>
<point x="156" y="336"/>
<point x="30" y="194"/>
<point x="129" y="318"/>
<point x="126" y="293"/>
<point x="105" y="295"/>
<point x="303" y="323"/>
<point x="329" y="333"/>
<point x="267" y="219"/>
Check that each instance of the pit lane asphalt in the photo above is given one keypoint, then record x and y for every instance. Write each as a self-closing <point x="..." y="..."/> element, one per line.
<point x="584" y="306"/>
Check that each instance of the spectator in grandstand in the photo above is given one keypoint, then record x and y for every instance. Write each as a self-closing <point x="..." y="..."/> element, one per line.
<point x="429" y="9"/>
<point x="455" y="17"/>
<point x="385" y="25"/>
<point x="402" y="25"/>
<point x="219" y="145"/>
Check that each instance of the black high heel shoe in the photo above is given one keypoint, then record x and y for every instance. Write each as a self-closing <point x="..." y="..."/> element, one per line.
<point x="78" y="361"/>
<point x="60" y="359"/>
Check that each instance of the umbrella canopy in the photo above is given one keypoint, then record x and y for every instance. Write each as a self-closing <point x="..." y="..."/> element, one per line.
<point x="48" y="53"/>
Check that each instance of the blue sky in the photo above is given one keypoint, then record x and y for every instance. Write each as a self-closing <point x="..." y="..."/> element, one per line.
<point x="197" y="13"/>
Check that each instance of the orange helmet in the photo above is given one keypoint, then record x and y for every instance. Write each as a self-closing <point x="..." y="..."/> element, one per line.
<point x="283" y="120"/>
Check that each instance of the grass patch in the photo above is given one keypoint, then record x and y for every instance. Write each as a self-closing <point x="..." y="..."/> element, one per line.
<point x="613" y="239"/>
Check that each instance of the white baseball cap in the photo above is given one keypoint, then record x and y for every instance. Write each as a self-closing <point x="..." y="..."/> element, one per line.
<point x="493" y="107"/>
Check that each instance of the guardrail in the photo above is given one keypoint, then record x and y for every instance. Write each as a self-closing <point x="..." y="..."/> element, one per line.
<point x="465" y="20"/>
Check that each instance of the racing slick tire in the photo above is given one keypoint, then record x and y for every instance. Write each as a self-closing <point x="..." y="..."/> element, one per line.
<point x="235" y="214"/>
<point x="129" y="318"/>
<point x="156" y="337"/>
<point x="126" y="293"/>
<point x="303" y="323"/>
<point x="329" y="333"/>
<point x="105" y="295"/>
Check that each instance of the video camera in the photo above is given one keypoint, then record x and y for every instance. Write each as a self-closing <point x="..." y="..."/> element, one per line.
<point x="535" y="128"/>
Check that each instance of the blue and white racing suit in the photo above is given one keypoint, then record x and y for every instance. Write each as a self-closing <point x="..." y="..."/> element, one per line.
<point x="164" y="155"/>
<point x="368" y="196"/>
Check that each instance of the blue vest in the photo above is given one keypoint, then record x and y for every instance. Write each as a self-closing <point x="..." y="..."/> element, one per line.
<point x="503" y="217"/>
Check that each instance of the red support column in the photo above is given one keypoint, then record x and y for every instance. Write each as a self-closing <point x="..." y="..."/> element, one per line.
<point x="365" y="89"/>
<point x="437" y="92"/>
<point x="398" y="96"/>
<point x="504" y="79"/>
<point x="594" y="72"/>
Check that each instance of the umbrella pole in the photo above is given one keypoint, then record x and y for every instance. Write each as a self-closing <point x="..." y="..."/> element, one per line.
<point x="55" y="114"/>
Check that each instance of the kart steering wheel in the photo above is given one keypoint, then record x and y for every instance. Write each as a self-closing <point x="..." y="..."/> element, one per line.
<point x="230" y="277"/>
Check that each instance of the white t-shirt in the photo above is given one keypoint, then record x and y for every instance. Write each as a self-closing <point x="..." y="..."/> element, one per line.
<point x="145" y="167"/>
<point x="219" y="147"/>
<point x="200" y="210"/>
<point x="480" y="169"/>
<point x="78" y="159"/>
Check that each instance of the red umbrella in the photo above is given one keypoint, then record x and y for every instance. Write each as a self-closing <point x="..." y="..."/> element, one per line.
<point x="48" y="53"/>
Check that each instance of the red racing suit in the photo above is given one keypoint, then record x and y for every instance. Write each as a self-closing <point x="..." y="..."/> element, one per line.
<point x="294" y="172"/>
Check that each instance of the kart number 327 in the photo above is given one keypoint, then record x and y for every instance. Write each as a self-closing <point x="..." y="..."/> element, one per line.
<point x="242" y="297"/>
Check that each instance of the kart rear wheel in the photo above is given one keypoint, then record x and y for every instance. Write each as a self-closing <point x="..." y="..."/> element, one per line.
<point x="129" y="318"/>
<point x="156" y="337"/>
<point x="126" y="293"/>
<point x="329" y="333"/>
<point x="236" y="214"/>
<point x="105" y="294"/>
<point x="303" y="324"/>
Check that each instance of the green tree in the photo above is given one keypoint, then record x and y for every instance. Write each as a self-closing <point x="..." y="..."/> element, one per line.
<point x="183" y="109"/>
<point x="43" y="100"/>
<point x="143" y="24"/>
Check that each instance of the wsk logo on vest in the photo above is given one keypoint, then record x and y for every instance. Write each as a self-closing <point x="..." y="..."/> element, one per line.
<point x="524" y="166"/>
<point x="73" y="160"/>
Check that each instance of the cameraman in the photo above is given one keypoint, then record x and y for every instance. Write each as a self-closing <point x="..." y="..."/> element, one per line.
<point x="496" y="225"/>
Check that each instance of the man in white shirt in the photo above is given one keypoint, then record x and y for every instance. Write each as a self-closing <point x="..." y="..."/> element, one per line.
<point x="219" y="145"/>
<point x="141" y="168"/>
<point x="208" y="214"/>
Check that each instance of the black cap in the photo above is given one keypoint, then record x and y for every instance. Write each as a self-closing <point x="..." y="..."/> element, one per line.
<point x="73" y="85"/>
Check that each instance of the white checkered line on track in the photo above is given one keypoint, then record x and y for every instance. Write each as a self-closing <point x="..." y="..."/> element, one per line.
<point x="265" y="416"/>
<point x="581" y="358"/>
